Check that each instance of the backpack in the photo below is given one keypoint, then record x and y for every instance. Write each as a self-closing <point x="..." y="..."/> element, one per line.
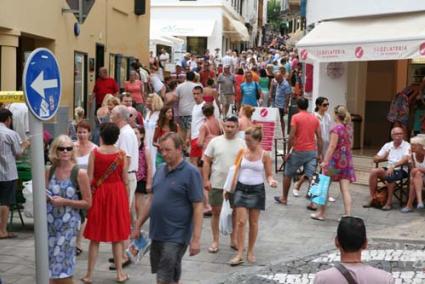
<point x="74" y="181"/>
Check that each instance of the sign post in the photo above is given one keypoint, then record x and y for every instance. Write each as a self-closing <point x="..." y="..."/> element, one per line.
<point x="42" y="89"/>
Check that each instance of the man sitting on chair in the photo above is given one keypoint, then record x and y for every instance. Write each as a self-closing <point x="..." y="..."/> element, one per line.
<point x="397" y="154"/>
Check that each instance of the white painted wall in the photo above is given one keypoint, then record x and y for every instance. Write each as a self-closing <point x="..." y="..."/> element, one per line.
<point x="335" y="9"/>
<point x="324" y="86"/>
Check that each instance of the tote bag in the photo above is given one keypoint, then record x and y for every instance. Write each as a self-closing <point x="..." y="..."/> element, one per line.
<point x="318" y="192"/>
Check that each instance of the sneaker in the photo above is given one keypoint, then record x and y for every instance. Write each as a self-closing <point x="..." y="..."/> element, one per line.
<point x="406" y="210"/>
<point x="420" y="206"/>
<point x="331" y="199"/>
<point x="295" y="192"/>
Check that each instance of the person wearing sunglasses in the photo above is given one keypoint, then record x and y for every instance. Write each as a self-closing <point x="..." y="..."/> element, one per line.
<point x="68" y="191"/>
<point x="351" y="240"/>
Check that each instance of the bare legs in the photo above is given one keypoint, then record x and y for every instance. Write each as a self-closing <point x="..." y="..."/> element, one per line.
<point x="252" y="216"/>
<point x="4" y="215"/>
<point x="215" y="219"/>
<point x="285" y="190"/>
<point x="117" y="249"/>
<point x="415" y="191"/>
<point x="344" y="185"/>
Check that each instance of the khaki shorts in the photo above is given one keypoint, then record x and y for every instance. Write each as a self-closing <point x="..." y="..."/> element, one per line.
<point x="215" y="197"/>
<point x="227" y="99"/>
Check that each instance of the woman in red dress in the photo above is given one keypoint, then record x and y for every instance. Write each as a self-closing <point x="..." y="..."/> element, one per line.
<point x="108" y="219"/>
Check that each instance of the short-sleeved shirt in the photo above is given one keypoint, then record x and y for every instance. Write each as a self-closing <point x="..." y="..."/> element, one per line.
<point x="127" y="141"/>
<point x="362" y="274"/>
<point x="135" y="89"/>
<point x="204" y="75"/>
<point x="305" y="134"/>
<point x="10" y="147"/>
<point x="174" y="193"/>
<point x="156" y="83"/>
<point x="222" y="152"/>
<point x="103" y="87"/>
<point x="226" y="84"/>
<point x="394" y="154"/>
<point x="185" y="97"/>
<point x="249" y="93"/>
<point x="283" y="92"/>
<point x="198" y="119"/>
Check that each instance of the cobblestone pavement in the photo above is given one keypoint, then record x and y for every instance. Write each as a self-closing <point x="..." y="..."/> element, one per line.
<point x="404" y="259"/>
<point x="286" y="233"/>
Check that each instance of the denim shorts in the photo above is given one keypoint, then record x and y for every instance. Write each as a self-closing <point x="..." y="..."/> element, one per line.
<point x="307" y="159"/>
<point x="185" y="121"/>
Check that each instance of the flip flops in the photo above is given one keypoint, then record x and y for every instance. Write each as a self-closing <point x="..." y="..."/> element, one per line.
<point x="277" y="199"/>
<point x="123" y="280"/>
<point x="311" y="207"/>
<point x="213" y="249"/>
<point x="236" y="261"/>
<point x="317" y="218"/>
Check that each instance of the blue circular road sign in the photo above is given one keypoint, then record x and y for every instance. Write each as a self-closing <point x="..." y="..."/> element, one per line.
<point x="42" y="83"/>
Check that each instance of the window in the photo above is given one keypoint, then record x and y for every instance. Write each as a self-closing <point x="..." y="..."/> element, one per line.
<point x="80" y="80"/>
<point x="112" y="66"/>
<point x="196" y="45"/>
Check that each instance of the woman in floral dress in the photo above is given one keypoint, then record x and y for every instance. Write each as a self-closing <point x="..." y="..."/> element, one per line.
<point x="338" y="162"/>
<point x="68" y="191"/>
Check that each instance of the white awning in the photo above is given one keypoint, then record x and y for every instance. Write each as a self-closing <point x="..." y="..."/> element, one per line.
<point x="200" y="28"/>
<point x="236" y="29"/>
<point x="392" y="37"/>
<point x="160" y="40"/>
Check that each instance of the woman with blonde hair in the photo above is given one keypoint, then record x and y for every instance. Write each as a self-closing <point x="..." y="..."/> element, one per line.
<point x="250" y="196"/>
<point x="68" y="191"/>
<point x="154" y="105"/>
<point x="78" y="117"/>
<point x="338" y="161"/>
<point x="417" y="146"/>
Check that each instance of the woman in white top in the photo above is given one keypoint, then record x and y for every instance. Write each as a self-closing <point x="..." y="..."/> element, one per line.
<point x="250" y="197"/>
<point x="154" y="105"/>
<point x="417" y="146"/>
<point x="83" y="147"/>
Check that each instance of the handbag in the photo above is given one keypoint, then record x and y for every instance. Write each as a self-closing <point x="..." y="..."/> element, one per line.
<point x="318" y="191"/>
<point x="225" y="225"/>
<point x="380" y="197"/>
<point x="233" y="174"/>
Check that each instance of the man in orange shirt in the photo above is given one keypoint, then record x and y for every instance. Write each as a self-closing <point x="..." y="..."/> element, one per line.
<point x="305" y="144"/>
<point x="206" y="73"/>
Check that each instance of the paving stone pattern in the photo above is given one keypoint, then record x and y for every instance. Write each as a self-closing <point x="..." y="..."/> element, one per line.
<point x="405" y="260"/>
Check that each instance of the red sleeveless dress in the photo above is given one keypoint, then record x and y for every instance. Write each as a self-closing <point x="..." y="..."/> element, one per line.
<point x="108" y="219"/>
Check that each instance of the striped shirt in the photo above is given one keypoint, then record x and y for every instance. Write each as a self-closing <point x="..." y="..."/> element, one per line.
<point x="9" y="148"/>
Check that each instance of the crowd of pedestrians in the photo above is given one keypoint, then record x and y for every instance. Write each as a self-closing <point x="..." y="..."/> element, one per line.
<point x="161" y="150"/>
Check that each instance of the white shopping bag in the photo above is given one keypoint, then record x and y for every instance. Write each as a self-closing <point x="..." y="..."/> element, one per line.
<point x="225" y="224"/>
<point x="28" y="205"/>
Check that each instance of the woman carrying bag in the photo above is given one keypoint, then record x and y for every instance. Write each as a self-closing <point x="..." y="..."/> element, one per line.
<point x="338" y="161"/>
<point x="249" y="196"/>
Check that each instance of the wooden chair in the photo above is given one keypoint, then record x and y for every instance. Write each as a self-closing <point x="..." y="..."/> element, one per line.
<point x="401" y="191"/>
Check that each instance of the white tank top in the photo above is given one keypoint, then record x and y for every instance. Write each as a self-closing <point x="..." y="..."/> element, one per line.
<point x="419" y="165"/>
<point x="252" y="172"/>
<point x="83" y="161"/>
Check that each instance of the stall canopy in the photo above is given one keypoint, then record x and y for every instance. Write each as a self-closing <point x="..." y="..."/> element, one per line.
<point x="198" y="28"/>
<point x="392" y="37"/>
<point x="236" y="29"/>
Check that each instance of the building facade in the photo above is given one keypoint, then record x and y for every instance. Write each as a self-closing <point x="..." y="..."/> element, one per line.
<point x="110" y="33"/>
<point x="202" y="24"/>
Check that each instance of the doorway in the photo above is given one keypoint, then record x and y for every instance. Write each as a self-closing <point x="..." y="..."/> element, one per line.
<point x="100" y="57"/>
<point x="80" y="80"/>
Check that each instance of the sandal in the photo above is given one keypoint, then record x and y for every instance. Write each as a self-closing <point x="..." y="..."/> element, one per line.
<point x="386" y="208"/>
<point x="85" y="281"/>
<point x="317" y="218"/>
<point x="311" y="207"/>
<point x="126" y="278"/>
<point x="78" y="251"/>
<point x="236" y="261"/>
<point x="277" y="199"/>
<point x="213" y="249"/>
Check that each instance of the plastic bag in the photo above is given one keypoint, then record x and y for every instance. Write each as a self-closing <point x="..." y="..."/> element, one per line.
<point x="139" y="247"/>
<point x="318" y="192"/>
<point x="28" y="205"/>
<point x="228" y="184"/>
<point x="225" y="224"/>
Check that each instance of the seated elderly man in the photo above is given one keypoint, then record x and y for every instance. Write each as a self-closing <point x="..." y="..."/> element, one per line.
<point x="397" y="153"/>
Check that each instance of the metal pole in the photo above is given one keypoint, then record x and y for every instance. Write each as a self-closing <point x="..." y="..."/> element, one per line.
<point x="39" y="197"/>
<point x="80" y="11"/>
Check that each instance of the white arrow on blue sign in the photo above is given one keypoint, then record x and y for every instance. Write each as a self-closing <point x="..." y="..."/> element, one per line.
<point x="42" y="83"/>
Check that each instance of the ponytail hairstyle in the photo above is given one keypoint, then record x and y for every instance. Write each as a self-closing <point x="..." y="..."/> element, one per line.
<point x="256" y="132"/>
<point x="319" y="102"/>
<point x="343" y="115"/>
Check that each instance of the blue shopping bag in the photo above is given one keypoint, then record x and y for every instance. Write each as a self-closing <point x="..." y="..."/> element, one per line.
<point x="318" y="192"/>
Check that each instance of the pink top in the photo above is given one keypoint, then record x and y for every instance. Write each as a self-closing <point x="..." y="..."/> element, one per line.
<point x="135" y="89"/>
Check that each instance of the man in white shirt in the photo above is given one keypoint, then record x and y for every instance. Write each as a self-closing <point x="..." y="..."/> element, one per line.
<point x="197" y="121"/>
<point x="228" y="60"/>
<point x="156" y="82"/>
<point x="127" y="141"/>
<point x="397" y="154"/>
<point x="186" y="103"/>
<point x="219" y="156"/>
<point x="20" y="119"/>
<point x="164" y="58"/>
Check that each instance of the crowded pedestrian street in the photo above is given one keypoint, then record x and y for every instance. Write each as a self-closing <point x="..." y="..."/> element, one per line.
<point x="212" y="141"/>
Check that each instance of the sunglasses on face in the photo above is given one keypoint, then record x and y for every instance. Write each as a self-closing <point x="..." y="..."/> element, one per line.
<point x="68" y="149"/>
<point x="325" y="104"/>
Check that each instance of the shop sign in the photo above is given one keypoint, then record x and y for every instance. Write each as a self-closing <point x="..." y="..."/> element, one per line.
<point x="269" y="118"/>
<point x="12" y="97"/>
